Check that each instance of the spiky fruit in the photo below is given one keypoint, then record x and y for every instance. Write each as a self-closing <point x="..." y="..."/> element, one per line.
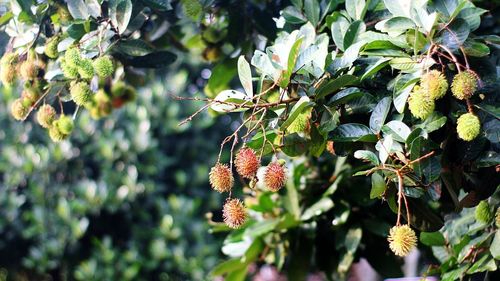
<point x="64" y="124"/>
<point x="100" y="105"/>
<point x="275" y="176"/>
<point x="301" y="123"/>
<point x="234" y="213"/>
<point x="86" y="69"/>
<point x="464" y="85"/>
<point x="434" y="84"/>
<point x="212" y="54"/>
<point x="121" y="94"/>
<point x="402" y="240"/>
<point x="221" y="178"/>
<point x="29" y="69"/>
<point x="69" y="71"/>
<point x="30" y="95"/>
<point x="468" y="126"/>
<point x="56" y="135"/>
<point x="80" y="93"/>
<point x="51" y="47"/>
<point x="19" y="109"/>
<point x="64" y="14"/>
<point x="8" y="73"/>
<point x="72" y="57"/>
<point x="46" y="115"/>
<point x="247" y="163"/>
<point x="104" y="66"/>
<point x="330" y="147"/>
<point x="483" y="212"/>
<point x="420" y="104"/>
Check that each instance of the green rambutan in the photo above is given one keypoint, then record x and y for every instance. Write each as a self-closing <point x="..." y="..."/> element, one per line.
<point x="104" y="66"/>
<point x="464" y="85"/>
<point x="80" y="93"/>
<point x="468" y="126"/>
<point x="420" y="105"/>
<point x="434" y="84"/>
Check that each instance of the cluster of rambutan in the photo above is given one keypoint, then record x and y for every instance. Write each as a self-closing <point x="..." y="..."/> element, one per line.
<point x="433" y="86"/>
<point x="247" y="164"/>
<point x="79" y="71"/>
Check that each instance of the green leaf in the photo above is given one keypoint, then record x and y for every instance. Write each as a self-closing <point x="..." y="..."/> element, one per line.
<point x="78" y="9"/>
<point x="455" y="34"/>
<point x="429" y="167"/>
<point x="352" y="132"/>
<point x="485" y="263"/>
<point x="378" y="186"/>
<point x="134" y="47"/>
<point x="261" y="227"/>
<point x="311" y="8"/>
<point x="294" y="145"/>
<point x="335" y="84"/>
<point x="293" y="15"/>
<point x="227" y="96"/>
<point x="292" y="58"/>
<point x="356" y="8"/>
<point x="299" y="107"/>
<point x="367" y="156"/>
<point x="433" y="122"/>
<point x="474" y="48"/>
<point x="324" y="204"/>
<point x="160" y="5"/>
<point x="344" y="96"/>
<point x="6" y="17"/>
<point x="472" y="16"/>
<point x="245" y="74"/>
<point x="353" y="32"/>
<point x="495" y="246"/>
<point x="399" y="8"/>
<point x="120" y="12"/>
<point x="432" y="238"/>
<point x="227" y="266"/>
<point x="339" y="28"/>
<point x="374" y="68"/>
<point x="397" y="129"/>
<point x="379" y="114"/>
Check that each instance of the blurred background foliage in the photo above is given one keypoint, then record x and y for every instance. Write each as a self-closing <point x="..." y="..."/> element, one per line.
<point x="125" y="199"/>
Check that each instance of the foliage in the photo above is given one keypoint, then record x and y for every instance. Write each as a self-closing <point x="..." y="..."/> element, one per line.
<point x="352" y="104"/>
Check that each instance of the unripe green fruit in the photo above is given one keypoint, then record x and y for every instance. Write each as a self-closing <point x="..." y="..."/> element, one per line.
<point x="86" y="69"/>
<point x="69" y="72"/>
<point x="31" y="95"/>
<point x="8" y="71"/>
<point x="19" y="110"/>
<point x="64" y="14"/>
<point x="420" y="105"/>
<point x="468" y="126"/>
<point x="301" y="123"/>
<point x="80" y="93"/>
<point x="483" y="212"/>
<point x="104" y="66"/>
<point x="51" y="47"/>
<point x="64" y="124"/>
<point x="46" y="115"/>
<point x="434" y="84"/>
<point x="464" y="85"/>
<point x="72" y="57"/>
<point x="56" y="135"/>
